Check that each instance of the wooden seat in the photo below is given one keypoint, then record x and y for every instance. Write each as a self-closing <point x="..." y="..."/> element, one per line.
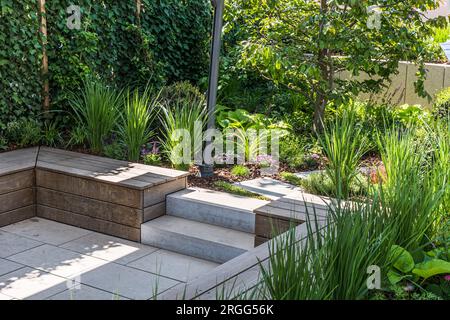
<point x="95" y="193"/>
<point x="17" y="192"/>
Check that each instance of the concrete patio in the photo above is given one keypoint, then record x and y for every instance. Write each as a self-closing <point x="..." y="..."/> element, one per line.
<point x="42" y="259"/>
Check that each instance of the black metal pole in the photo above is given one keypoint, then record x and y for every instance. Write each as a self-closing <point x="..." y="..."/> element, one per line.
<point x="214" y="69"/>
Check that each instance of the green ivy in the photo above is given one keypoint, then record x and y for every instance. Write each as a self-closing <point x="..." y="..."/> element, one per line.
<point x="168" y="44"/>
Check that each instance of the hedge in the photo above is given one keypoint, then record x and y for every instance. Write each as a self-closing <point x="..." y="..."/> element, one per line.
<point x="166" y="42"/>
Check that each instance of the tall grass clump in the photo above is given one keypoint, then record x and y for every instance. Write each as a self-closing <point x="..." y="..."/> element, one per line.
<point x="344" y="144"/>
<point x="139" y="112"/>
<point x="96" y="109"/>
<point x="440" y="134"/>
<point x="412" y="187"/>
<point x="333" y="262"/>
<point x="182" y="122"/>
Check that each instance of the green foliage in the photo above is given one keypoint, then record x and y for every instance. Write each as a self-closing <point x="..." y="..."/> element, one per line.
<point x="248" y="129"/>
<point x="169" y="42"/>
<point x="180" y="120"/>
<point x="20" y="57"/>
<point x="332" y="264"/>
<point x="135" y="129"/>
<point x="344" y="144"/>
<point x="321" y="184"/>
<point x="413" y="189"/>
<point x="51" y="136"/>
<point x="3" y="143"/>
<point x="230" y="188"/>
<point x="115" y="150"/>
<point x="301" y="45"/>
<point x="441" y="107"/>
<point x="96" y="109"/>
<point x="181" y="91"/>
<point x="153" y="159"/>
<point x="24" y="132"/>
<point x="294" y="151"/>
<point x="78" y="136"/>
<point x="240" y="171"/>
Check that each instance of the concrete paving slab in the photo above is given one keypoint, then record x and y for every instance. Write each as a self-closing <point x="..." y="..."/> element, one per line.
<point x="85" y="292"/>
<point x="127" y="282"/>
<point x="173" y="265"/>
<point x="7" y="266"/>
<point x="109" y="248"/>
<point x="11" y="243"/>
<point x="29" y="283"/>
<point x="57" y="261"/>
<point x="46" y="231"/>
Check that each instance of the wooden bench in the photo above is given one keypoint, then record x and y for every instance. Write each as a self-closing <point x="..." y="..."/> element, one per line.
<point x="280" y="215"/>
<point x="17" y="193"/>
<point x="101" y="194"/>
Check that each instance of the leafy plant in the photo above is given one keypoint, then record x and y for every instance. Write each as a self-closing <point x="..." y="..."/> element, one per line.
<point x="115" y="150"/>
<point x="344" y="144"/>
<point x="24" y="132"/>
<point x="441" y="106"/>
<point x="152" y="159"/>
<point x="240" y="171"/>
<point x="78" y="136"/>
<point x="404" y="267"/>
<point x="3" y="143"/>
<point x="135" y="129"/>
<point x="412" y="189"/>
<point x="96" y="109"/>
<point x="51" y="135"/>
<point x="182" y="123"/>
<point x="331" y="262"/>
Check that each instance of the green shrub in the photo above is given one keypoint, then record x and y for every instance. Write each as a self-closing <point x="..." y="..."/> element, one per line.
<point x="292" y="151"/>
<point x="135" y="128"/>
<point x="181" y="91"/>
<point x="96" y="109"/>
<point x="152" y="159"/>
<point x="24" y="132"/>
<point x="51" y="135"/>
<point x="77" y="136"/>
<point x="334" y="264"/>
<point x="179" y="119"/>
<point x="344" y="144"/>
<point x="240" y="171"/>
<point x="413" y="188"/>
<point x="441" y="106"/>
<point x="3" y="143"/>
<point x="115" y="150"/>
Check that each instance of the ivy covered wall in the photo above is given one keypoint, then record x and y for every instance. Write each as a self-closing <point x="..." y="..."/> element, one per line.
<point x="162" y="42"/>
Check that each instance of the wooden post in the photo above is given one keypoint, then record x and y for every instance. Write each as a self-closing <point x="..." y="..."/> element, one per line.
<point x="44" y="67"/>
<point x="138" y="12"/>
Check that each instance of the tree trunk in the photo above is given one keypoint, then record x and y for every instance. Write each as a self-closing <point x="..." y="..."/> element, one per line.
<point x="44" y="66"/>
<point x="321" y="97"/>
<point x="138" y="12"/>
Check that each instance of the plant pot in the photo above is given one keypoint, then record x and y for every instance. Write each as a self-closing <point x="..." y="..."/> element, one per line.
<point x="206" y="170"/>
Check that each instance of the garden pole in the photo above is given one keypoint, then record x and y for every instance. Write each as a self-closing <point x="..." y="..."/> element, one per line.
<point x="214" y="70"/>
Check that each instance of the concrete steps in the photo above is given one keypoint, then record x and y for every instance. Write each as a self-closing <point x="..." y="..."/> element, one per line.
<point x="197" y="239"/>
<point x="216" y="208"/>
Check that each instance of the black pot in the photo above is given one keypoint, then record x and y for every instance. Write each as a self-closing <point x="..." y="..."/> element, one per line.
<point x="206" y="170"/>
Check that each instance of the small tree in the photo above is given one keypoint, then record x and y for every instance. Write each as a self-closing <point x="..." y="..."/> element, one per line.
<point x="304" y="44"/>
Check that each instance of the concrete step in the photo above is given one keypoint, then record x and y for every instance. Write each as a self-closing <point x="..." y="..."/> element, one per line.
<point x="196" y="239"/>
<point x="268" y="187"/>
<point x="214" y="207"/>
